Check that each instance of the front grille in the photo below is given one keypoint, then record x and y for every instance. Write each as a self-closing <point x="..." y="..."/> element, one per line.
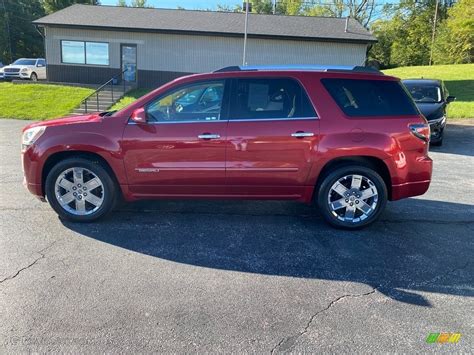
<point x="11" y="70"/>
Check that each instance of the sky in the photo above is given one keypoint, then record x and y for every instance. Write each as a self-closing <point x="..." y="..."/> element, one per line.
<point x="187" y="4"/>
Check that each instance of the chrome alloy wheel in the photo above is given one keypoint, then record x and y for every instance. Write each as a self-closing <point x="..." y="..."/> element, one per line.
<point x="79" y="191"/>
<point x="353" y="198"/>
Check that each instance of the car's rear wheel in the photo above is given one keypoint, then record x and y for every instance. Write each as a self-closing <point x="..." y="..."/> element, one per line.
<point x="34" y="77"/>
<point x="352" y="197"/>
<point x="80" y="190"/>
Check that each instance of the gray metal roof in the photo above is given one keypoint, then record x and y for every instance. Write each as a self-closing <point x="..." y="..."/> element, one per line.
<point x="222" y="23"/>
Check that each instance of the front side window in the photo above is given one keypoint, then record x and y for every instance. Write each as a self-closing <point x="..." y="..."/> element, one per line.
<point x="357" y="97"/>
<point x="79" y="52"/>
<point x="272" y="98"/>
<point x="41" y="63"/>
<point x="196" y="102"/>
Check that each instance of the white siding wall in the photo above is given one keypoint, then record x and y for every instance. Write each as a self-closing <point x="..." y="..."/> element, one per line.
<point x="193" y="54"/>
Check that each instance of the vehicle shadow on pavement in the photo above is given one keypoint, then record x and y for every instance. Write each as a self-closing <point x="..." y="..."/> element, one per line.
<point x="407" y="253"/>
<point x="458" y="139"/>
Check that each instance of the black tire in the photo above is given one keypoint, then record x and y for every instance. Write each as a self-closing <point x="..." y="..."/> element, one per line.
<point x="325" y="189"/>
<point x="110" y="190"/>
<point x="33" y="77"/>
<point x="437" y="143"/>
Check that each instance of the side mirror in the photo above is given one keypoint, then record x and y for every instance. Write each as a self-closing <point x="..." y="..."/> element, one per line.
<point x="139" y="116"/>
<point x="39" y="65"/>
<point x="450" y="99"/>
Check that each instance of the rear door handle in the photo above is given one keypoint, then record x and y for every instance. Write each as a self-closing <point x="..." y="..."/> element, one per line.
<point x="302" y="134"/>
<point x="209" y="136"/>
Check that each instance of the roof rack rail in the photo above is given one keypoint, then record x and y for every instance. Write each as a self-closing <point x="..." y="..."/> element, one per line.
<point x="326" y="68"/>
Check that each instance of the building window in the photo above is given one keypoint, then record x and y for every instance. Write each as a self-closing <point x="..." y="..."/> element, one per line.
<point x="79" y="52"/>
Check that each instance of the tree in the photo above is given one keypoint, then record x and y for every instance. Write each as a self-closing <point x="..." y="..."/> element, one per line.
<point x="455" y="39"/>
<point x="139" y="3"/>
<point x="18" y="36"/>
<point x="122" y="3"/>
<point x="51" y="6"/>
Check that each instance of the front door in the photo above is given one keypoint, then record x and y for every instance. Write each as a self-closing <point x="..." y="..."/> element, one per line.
<point x="272" y="135"/>
<point x="181" y="150"/>
<point x="129" y="62"/>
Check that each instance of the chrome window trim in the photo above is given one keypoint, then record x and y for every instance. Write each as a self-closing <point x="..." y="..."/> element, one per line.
<point x="272" y="119"/>
<point x="231" y="120"/>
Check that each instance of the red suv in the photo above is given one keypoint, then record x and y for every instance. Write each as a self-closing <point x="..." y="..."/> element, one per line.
<point x="347" y="139"/>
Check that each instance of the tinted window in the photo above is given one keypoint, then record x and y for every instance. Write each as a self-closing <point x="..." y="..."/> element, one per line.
<point x="41" y="63"/>
<point x="269" y="99"/>
<point x="424" y="92"/>
<point x="196" y="102"/>
<point x="370" y="97"/>
<point x="25" y="62"/>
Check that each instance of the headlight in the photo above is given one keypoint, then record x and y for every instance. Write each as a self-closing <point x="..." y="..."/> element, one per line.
<point x="31" y="135"/>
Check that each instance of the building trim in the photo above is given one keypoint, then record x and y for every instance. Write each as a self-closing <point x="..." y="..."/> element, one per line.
<point x="206" y="33"/>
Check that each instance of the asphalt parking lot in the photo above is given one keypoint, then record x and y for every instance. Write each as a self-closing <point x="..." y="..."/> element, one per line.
<point x="221" y="276"/>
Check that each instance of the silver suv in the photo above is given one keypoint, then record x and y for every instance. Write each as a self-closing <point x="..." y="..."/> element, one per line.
<point x="25" y="68"/>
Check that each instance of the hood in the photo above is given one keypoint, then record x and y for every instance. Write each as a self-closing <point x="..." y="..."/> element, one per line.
<point x="431" y="111"/>
<point x="95" y="117"/>
<point x="17" y="66"/>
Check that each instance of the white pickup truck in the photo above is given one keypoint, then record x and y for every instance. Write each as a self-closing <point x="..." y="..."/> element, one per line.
<point x="25" y="68"/>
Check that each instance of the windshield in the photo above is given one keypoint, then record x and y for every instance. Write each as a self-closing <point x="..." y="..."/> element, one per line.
<point x="424" y="93"/>
<point x="25" y="62"/>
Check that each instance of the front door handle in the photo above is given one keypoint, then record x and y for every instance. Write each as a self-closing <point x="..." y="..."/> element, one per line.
<point x="300" y="134"/>
<point x="209" y="136"/>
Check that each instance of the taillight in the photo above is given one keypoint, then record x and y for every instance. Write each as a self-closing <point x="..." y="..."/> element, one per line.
<point x="421" y="130"/>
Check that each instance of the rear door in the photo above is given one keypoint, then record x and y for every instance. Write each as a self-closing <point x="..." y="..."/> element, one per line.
<point x="181" y="150"/>
<point x="271" y="138"/>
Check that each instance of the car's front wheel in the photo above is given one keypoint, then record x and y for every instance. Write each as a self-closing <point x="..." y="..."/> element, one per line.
<point x="80" y="190"/>
<point x="352" y="197"/>
<point x="34" y="77"/>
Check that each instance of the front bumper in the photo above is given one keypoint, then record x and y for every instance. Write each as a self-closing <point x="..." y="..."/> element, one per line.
<point x="11" y="76"/>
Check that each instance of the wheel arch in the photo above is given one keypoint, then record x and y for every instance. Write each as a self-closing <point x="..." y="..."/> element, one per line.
<point x="54" y="158"/>
<point x="371" y="162"/>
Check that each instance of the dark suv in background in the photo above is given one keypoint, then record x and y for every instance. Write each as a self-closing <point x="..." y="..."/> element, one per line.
<point x="432" y="99"/>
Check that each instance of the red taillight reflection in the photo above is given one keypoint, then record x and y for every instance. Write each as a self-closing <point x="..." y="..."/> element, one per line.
<point x="421" y="130"/>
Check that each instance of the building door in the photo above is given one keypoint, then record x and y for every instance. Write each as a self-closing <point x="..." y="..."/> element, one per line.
<point x="129" y="62"/>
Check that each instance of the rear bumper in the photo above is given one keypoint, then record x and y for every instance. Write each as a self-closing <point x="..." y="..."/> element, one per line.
<point x="412" y="178"/>
<point x="409" y="189"/>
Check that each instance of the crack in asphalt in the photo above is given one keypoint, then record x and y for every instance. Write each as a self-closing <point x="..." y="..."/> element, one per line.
<point x="42" y="256"/>
<point x="291" y="340"/>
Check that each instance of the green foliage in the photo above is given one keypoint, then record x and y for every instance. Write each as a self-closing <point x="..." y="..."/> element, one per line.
<point x="122" y="3"/>
<point x="139" y="3"/>
<point x="39" y="101"/>
<point x="455" y="38"/>
<point x="129" y="98"/>
<point x="459" y="80"/>
<point x="18" y="37"/>
<point x="51" y="6"/>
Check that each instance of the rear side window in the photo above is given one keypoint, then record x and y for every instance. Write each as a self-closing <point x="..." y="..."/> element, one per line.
<point x="270" y="99"/>
<point x="370" y="97"/>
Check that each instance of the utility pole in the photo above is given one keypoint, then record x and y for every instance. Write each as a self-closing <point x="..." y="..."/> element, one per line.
<point x="274" y="6"/>
<point x="434" y="31"/>
<point x="246" y="4"/>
